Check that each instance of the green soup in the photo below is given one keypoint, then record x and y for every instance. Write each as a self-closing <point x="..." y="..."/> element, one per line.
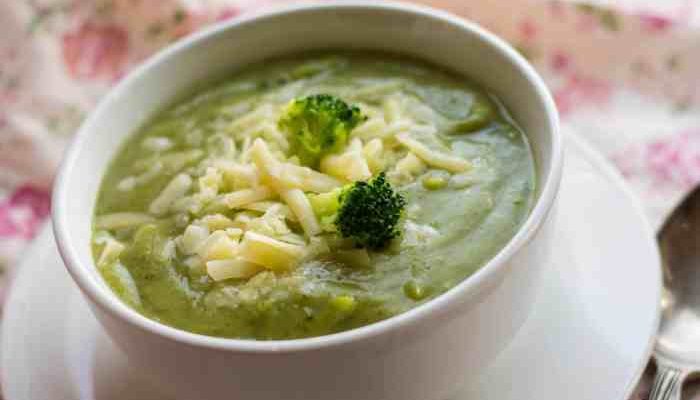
<point x="214" y="219"/>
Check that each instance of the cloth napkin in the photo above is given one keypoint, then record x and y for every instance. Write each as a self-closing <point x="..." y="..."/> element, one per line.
<point x="624" y="76"/>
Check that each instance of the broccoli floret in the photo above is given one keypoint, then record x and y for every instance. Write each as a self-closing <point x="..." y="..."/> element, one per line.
<point x="319" y="124"/>
<point x="367" y="212"/>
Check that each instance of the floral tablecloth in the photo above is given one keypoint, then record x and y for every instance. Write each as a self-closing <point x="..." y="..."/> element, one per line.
<point x="625" y="75"/>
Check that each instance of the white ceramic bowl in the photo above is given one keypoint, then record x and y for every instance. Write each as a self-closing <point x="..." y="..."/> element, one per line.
<point x="424" y="354"/>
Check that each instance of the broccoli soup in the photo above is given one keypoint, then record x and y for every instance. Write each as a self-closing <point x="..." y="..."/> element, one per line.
<point x="311" y="195"/>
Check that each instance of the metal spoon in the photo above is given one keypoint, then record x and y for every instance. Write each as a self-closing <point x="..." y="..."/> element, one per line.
<point x="677" y="352"/>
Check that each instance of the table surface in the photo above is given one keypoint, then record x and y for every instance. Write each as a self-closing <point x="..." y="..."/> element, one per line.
<point x="624" y="75"/>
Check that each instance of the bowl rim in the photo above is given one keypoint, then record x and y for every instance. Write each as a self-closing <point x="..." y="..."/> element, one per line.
<point x="483" y="277"/>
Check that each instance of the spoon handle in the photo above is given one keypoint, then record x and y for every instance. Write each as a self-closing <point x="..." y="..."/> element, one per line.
<point x="667" y="383"/>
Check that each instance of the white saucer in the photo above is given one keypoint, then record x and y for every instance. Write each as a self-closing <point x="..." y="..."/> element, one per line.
<point x="589" y="338"/>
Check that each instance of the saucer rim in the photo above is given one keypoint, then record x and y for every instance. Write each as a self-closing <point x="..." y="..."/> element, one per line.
<point x="597" y="161"/>
<point x="607" y="169"/>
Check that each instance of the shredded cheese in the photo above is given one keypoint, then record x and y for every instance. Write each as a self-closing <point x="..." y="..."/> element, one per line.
<point x="173" y="191"/>
<point x="301" y="207"/>
<point x="272" y="223"/>
<point x="127" y="184"/>
<point x="242" y="197"/>
<point x="294" y="197"/>
<point x="242" y="220"/>
<point x="237" y="268"/>
<point x="217" y="246"/>
<point x="408" y="167"/>
<point x="251" y="119"/>
<point x="215" y="222"/>
<point x="373" y="127"/>
<point x="373" y="154"/>
<point x="264" y="206"/>
<point x="270" y="167"/>
<point x="434" y="158"/>
<point x="237" y="175"/>
<point x="349" y="166"/>
<point x="192" y="239"/>
<point x="210" y="183"/>
<point x="110" y="252"/>
<point x="157" y="144"/>
<point x="377" y="88"/>
<point x="392" y="109"/>
<point x="307" y="179"/>
<point x="270" y="253"/>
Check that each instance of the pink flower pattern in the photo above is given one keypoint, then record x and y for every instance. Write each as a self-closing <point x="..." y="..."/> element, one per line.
<point x="560" y="61"/>
<point x="579" y="91"/>
<point x="95" y="51"/>
<point x="528" y="30"/>
<point x="654" y="23"/>
<point x="23" y="212"/>
<point x="673" y="161"/>
<point x="228" y="13"/>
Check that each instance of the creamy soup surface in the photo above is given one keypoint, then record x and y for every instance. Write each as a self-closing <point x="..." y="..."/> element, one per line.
<point x="311" y="195"/>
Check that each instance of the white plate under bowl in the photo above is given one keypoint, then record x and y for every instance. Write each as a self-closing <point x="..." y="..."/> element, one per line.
<point x="589" y="337"/>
